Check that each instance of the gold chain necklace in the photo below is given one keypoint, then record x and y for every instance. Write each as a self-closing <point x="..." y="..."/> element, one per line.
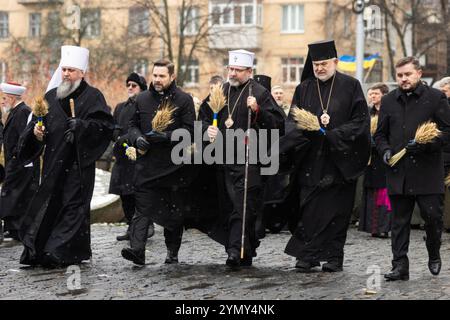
<point x="229" y="122"/>
<point x="325" y="117"/>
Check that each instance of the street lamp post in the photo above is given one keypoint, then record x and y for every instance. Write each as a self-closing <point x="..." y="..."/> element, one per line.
<point x="358" y="9"/>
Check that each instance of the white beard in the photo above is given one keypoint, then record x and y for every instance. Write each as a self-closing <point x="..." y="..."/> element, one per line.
<point x="6" y="109"/>
<point x="66" y="88"/>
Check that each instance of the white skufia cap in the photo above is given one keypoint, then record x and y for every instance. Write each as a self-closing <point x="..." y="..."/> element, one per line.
<point x="12" y="88"/>
<point x="241" y="58"/>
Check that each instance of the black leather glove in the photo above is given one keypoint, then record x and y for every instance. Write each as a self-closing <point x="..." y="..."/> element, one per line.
<point x="69" y="136"/>
<point x="155" y="137"/>
<point x="387" y="156"/>
<point x="73" y="123"/>
<point x="142" y="144"/>
<point x="120" y="140"/>
<point x="413" y="147"/>
<point x="116" y="133"/>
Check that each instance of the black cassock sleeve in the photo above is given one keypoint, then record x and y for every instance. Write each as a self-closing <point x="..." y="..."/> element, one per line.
<point x="28" y="147"/>
<point x="350" y="142"/>
<point x="95" y="131"/>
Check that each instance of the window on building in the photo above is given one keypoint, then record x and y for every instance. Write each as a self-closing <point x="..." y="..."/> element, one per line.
<point x="91" y="23"/>
<point x="236" y="14"/>
<point x="192" y="73"/>
<point x="191" y="21"/>
<point x="292" y="69"/>
<point x="141" y="67"/>
<point x="4" y="25"/>
<point x="293" y="18"/>
<point x="138" y="21"/>
<point x="35" y="25"/>
<point x="2" y="71"/>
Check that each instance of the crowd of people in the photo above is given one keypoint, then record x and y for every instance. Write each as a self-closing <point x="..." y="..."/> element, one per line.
<point x="329" y="137"/>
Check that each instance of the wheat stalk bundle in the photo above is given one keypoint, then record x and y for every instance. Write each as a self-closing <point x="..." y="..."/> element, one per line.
<point x="216" y="102"/>
<point x="373" y="124"/>
<point x="130" y="152"/>
<point x="163" y="117"/>
<point x="40" y="109"/>
<point x="217" y="99"/>
<point x="447" y="180"/>
<point x="306" y="120"/>
<point x="425" y="133"/>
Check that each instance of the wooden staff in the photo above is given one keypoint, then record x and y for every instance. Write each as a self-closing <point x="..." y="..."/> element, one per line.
<point x="72" y="107"/>
<point x="247" y="141"/>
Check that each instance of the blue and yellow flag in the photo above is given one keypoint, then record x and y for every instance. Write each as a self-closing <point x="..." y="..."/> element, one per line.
<point x="348" y="63"/>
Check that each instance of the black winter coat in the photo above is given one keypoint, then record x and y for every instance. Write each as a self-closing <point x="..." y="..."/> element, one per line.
<point x="400" y="116"/>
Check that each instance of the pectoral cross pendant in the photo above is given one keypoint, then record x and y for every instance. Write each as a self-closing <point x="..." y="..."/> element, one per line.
<point x="325" y="118"/>
<point x="229" y="122"/>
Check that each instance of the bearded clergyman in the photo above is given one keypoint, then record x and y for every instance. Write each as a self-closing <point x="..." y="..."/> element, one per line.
<point x="74" y="134"/>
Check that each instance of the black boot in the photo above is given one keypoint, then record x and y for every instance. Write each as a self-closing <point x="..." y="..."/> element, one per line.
<point x="233" y="259"/>
<point x="334" y="265"/>
<point x="435" y="266"/>
<point x="305" y="266"/>
<point x="124" y="237"/>
<point x="134" y="256"/>
<point x="400" y="271"/>
<point x="172" y="257"/>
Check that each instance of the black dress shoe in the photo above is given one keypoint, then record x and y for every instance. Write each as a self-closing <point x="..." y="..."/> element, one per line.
<point x="435" y="266"/>
<point x="233" y="260"/>
<point x="305" y="266"/>
<point x="332" y="267"/>
<point x="124" y="237"/>
<point x="11" y="234"/>
<point x="397" y="274"/>
<point x="134" y="256"/>
<point x="172" y="257"/>
<point x="51" y="261"/>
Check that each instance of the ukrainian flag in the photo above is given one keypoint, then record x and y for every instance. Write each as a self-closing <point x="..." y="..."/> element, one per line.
<point x="348" y="63"/>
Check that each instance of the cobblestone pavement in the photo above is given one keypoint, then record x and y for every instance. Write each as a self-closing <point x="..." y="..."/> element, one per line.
<point x="202" y="273"/>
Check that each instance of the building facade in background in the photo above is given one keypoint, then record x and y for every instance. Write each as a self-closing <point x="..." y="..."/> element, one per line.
<point x="128" y="35"/>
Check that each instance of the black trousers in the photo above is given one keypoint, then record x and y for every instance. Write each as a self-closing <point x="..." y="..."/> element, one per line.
<point x="128" y="206"/>
<point x="234" y="182"/>
<point x="431" y="210"/>
<point x="163" y="206"/>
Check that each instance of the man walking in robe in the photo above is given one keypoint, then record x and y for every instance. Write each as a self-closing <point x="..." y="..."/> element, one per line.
<point x="336" y="157"/>
<point x="21" y="179"/>
<point x="242" y="93"/>
<point x="419" y="175"/>
<point x="57" y="226"/>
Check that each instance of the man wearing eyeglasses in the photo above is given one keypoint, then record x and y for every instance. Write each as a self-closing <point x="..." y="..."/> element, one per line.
<point x="337" y="155"/>
<point x="242" y="93"/>
<point x="122" y="174"/>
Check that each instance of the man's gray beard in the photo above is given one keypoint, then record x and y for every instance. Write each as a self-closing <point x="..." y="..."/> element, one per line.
<point x="66" y="88"/>
<point x="234" y="82"/>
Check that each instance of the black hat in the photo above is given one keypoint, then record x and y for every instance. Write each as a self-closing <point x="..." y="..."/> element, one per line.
<point x="322" y="50"/>
<point x="317" y="51"/>
<point x="263" y="80"/>
<point x="140" y="80"/>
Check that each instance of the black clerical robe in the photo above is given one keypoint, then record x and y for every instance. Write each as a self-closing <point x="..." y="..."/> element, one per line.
<point x="56" y="229"/>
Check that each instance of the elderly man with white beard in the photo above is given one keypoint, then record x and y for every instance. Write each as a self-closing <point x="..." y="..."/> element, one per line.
<point x="56" y="228"/>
